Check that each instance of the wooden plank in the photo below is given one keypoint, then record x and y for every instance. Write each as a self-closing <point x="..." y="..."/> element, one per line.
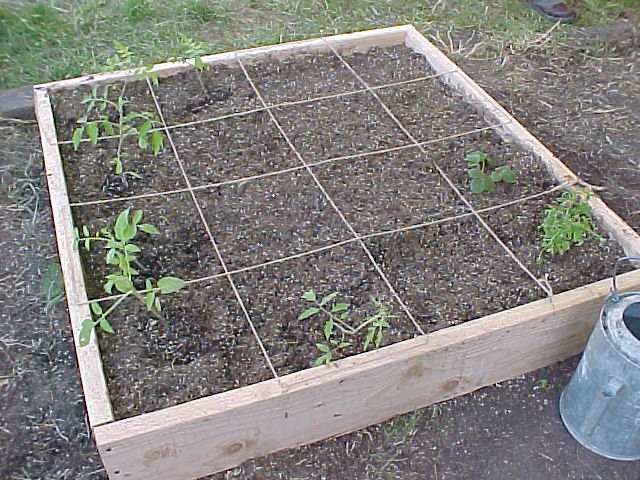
<point x="514" y="131"/>
<point x="89" y="362"/>
<point x="220" y="432"/>
<point x="357" y="41"/>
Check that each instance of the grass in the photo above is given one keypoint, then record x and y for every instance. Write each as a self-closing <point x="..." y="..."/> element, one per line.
<point x="55" y="39"/>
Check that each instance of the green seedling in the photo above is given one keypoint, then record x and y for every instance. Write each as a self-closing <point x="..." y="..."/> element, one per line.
<point x="144" y="125"/>
<point x="51" y="285"/>
<point x="122" y="255"/>
<point x="483" y="178"/>
<point x="568" y="222"/>
<point x="337" y="316"/>
<point x="194" y="49"/>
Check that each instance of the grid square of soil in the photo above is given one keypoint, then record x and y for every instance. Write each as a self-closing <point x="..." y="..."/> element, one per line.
<point x="68" y="107"/>
<point x="452" y="272"/>
<point x="232" y="148"/>
<point x="518" y="226"/>
<point x="339" y="126"/>
<point x="450" y="155"/>
<point x="191" y="95"/>
<point x="183" y="248"/>
<point x="382" y="66"/>
<point x="272" y="296"/>
<point x="90" y="176"/>
<point x="270" y="218"/>
<point x="430" y="110"/>
<point x="301" y="77"/>
<point x="388" y="191"/>
<point x="203" y="345"/>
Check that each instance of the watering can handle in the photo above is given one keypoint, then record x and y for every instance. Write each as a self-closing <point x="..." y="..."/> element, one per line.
<point x="614" y="288"/>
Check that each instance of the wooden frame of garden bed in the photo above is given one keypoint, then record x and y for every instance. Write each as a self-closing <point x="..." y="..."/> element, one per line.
<point x="218" y="432"/>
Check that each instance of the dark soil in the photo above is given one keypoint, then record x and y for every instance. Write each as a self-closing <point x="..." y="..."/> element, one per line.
<point x="202" y="346"/>
<point x="232" y="148"/>
<point x="517" y="226"/>
<point x="581" y="98"/>
<point x="182" y="249"/>
<point x="270" y="218"/>
<point x="273" y="297"/>
<point x="182" y="97"/>
<point x="388" y="191"/>
<point x="382" y="66"/>
<point x="452" y="272"/>
<point x="339" y="126"/>
<point x="429" y="110"/>
<point x="300" y="78"/>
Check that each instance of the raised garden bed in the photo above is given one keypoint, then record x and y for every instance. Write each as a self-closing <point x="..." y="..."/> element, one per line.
<point x="334" y="165"/>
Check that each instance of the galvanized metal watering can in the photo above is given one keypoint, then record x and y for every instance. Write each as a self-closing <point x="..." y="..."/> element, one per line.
<point x="601" y="405"/>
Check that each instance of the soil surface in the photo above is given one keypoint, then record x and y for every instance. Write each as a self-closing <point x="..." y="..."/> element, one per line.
<point x="232" y="148"/>
<point x="300" y="78"/>
<point x="215" y="91"/>
<point x="503" y="432"/>
<point x="202" y="345"/>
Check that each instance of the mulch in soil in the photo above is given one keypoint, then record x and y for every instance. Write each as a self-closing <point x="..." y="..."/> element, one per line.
<point x="383" y="66"/>
<point x="270" y="218"/>
<point x="232" y="148"/>
<point x="90" y="176"/>
<point x="388" y="191"/>
<point x="68" y="106"/>
<point x="302" y="77"/>
<point x="201" y="346"/>
<point x="215" y="91"/>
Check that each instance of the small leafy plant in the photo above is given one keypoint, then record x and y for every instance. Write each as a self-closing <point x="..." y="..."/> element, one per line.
<point x="483" y="178"/>
<point x="568" y="222"/>
<point x="121" y="254"/>
<point x="144" y="125"/>
<point x="336" y="329"/>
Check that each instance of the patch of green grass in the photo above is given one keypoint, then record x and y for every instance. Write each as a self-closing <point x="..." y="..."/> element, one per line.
<point x="42" y="41"/>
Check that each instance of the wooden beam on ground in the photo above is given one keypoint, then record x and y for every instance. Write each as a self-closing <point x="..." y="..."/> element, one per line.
<point x="94" y="384"/>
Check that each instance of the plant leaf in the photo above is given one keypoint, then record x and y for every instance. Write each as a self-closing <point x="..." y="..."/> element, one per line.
<point x="122" y="284"/>
<point x="509" y="176"/>
<point x="85" y="332"/>
<point x="122" y="222"/>
<point x="309" y="312"/>
<point x="477" y="185"/>
<point x="170" y="284"/>
<point x="150" y="229"/>
<point x="309" y="296"/>
<point x="328" y="298"/>
<point x="157" y="141"/>
<point x="339" y="307"/>
<point x="106" y="326"/>
<point x="77" y="137"/>
<point x="92" y="132"/>
<point x="96" y="308"/>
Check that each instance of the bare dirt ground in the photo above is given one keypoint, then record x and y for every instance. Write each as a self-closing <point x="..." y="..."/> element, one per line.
<point x="581" y="97"/>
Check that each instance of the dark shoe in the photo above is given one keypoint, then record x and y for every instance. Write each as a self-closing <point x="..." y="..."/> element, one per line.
<point x="557" y="12"/>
